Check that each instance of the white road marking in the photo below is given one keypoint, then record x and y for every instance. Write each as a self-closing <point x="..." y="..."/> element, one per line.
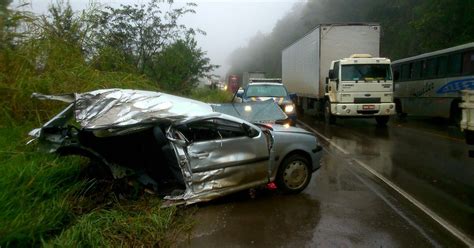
<point x="445" y="224"/>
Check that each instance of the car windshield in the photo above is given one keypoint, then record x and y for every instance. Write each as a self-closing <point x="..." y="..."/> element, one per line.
<point x="366" y="72"/>
<point x="266" y="90"/>
<point x="256" y="112"/>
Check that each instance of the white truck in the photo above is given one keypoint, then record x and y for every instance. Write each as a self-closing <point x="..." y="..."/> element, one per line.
<point x="251" y="74"/>
<point x="335" y="70"/>
<point x="467" y="122"/>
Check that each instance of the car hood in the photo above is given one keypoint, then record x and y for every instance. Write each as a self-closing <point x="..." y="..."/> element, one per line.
<point x="255" y="112"/>
<point x="278" y="100"/>
<point x="122" y="107"/>
<point x="289" y="129"/>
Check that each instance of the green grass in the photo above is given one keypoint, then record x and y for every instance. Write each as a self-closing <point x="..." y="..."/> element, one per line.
<point x="45" y="201"/>
<point x="139" y="224"/>
<point x="35" y="189"/>
<point x="211" y="96"/>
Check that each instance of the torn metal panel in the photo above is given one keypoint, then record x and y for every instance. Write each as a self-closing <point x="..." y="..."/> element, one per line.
<point x="69" y="98"/>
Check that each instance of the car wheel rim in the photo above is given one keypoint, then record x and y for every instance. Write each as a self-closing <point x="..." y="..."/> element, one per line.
<point x="295" y="174"/>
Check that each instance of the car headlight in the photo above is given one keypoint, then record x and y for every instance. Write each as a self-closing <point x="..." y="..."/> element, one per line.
<point x="289" y="108"/>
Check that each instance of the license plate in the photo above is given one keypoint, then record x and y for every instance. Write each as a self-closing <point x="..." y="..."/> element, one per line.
<point x="367" y="107"/>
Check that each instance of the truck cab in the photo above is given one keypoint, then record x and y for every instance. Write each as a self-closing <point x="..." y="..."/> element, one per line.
<point x="359" y="86"/>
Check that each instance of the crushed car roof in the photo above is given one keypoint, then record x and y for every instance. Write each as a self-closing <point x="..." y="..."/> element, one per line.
<point x="124" y="107"/>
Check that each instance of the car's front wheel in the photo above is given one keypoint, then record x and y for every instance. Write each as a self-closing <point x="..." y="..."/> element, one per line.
<point x="294" y="174"/>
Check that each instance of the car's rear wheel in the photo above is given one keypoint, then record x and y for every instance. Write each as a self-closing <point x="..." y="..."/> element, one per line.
<point x="294" y="174"/>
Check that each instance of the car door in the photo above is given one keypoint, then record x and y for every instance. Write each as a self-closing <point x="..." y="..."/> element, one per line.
<point x="225" y="154"/>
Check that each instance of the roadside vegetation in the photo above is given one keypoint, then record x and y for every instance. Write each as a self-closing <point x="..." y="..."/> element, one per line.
<point x="46" y="200"/>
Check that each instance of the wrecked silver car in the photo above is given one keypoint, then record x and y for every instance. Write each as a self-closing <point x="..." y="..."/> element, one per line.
<point x="203" y="150"/>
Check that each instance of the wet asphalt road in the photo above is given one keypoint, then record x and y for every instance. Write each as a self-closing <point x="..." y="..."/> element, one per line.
<point x="345" y="205"/>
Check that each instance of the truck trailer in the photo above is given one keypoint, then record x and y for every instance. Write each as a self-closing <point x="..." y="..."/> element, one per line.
<point x="336" y="70"/>
<point x="251" y="74"/>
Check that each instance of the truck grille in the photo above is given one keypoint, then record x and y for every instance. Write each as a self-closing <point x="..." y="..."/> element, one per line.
<point x="367" y="100"/>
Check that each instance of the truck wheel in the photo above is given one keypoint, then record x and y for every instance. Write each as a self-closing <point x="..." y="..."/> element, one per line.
<point x="294" y="174"/>
<point x="328" y="117"/>
<point x="382" y="120"/>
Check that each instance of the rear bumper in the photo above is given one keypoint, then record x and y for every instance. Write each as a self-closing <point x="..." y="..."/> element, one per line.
<point x="362" y="109"/>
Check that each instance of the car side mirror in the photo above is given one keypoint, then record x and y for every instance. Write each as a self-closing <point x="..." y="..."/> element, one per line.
<point x="331" y="74"/>
<point x="239" y="94"/>
<point x="251" y="132"/>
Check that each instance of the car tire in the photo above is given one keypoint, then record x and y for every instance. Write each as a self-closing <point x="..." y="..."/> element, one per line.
<point x="294" y="174"/>
<point x="328" y="117"/>
<point x="382" y="120"/>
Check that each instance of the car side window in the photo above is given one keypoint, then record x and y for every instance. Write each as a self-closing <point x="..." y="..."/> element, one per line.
<point x="202" y="130"/>
<point x="229" y="129"/>
<point x="212" y="129"/>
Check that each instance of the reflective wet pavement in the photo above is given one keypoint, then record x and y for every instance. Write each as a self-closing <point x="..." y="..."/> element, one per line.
<point x="425" y="157"/>
<point x="344" y="205"/>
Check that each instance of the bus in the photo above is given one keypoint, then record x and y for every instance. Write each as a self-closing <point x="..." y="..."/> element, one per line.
<point x="429" y="84"/>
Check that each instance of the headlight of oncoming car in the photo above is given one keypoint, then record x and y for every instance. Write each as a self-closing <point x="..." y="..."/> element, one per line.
<point x="289" y="108"/>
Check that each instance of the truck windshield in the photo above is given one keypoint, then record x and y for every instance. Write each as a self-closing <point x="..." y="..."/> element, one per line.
<point x="266" y="90"/>
<point x="368" y="72"/>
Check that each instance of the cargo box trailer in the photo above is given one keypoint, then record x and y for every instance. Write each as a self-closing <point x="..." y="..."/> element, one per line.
<point x="336" y="70"/>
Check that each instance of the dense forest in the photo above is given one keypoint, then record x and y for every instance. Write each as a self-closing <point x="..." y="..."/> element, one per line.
<point x="409" y="27"/>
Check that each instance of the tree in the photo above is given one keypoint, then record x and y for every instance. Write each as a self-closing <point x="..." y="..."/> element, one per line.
<point x="409" y="27"/>
<point x="140" y="31"/>
<point x="180" y="65"/>
<point x="446" y="22"/>
<point x="150" y="40"/>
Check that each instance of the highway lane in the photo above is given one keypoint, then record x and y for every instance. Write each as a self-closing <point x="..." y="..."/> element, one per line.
<point x="425" y="157"/>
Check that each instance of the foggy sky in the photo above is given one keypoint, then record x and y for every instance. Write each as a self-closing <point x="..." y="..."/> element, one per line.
<point x="229" y="24"/>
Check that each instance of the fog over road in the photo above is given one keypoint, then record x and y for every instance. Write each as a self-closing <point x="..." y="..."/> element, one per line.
<point x="345" y="205"/>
